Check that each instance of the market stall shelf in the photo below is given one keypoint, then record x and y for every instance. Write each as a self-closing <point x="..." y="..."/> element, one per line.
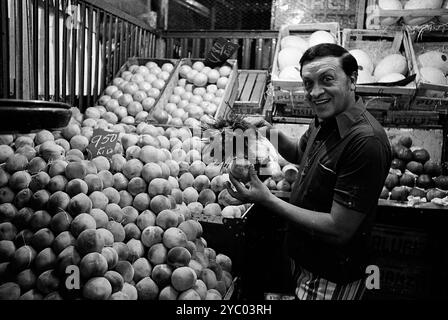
<point x="389" y="14"/>
<point x="429" y="50"/>
<point x="380" y="44"/>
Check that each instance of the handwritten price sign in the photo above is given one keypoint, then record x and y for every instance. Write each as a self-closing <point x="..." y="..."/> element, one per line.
<point x="102" y="143"/>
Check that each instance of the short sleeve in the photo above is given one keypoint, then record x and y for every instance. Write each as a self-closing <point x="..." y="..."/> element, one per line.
<point x="361" y="174"/>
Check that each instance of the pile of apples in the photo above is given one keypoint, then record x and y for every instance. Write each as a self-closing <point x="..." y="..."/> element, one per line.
<point x="196" y="97"/>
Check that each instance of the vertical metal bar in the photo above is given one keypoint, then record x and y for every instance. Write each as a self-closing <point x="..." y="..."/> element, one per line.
<point x="47" y="51"/>
<point x="122" y="45"/>
<point x="35" y="54"/>
<point x="98" y="31"/>
<point x="19" y="50"/>
<point x="273" y="45"/>
<point x="73" y="64"/>
<point x="115" y="51"/>
<point x="104" y="49"/>
<point x="258" y="54"/>
<point x="109" y="62"/>
<point x="89" y="54"/>
<point x="140" y="43"/>
<point x="170" y="48"/>
<point x="4" y="57"/>
<point x="126" y="37"/>
<point x="152" y="42"/>
<point x="247" y="49"/>
<point x="196" y="48"/>
<point x="145" y="44"/>
<point x="56" y="52"/>
<point x="135" y="42"/>
<point x="82" y="52"/>
<point x="64" y="53"/>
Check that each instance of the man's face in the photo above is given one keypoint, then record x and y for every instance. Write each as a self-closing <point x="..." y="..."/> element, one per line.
<point x="327" y="88"/>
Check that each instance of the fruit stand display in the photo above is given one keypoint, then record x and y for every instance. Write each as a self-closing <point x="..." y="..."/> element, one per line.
<point x="126" y="197"/>
<point x="125" y="220"/>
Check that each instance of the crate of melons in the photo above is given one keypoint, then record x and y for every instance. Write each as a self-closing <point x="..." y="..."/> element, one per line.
<point x="197" y="93"/>
<point x="292" y="42"/>
<point x="134" y="91"/>
<point x="430" y="56"/>
<point x="381" y="14"/>
<point x="386" y="73"/>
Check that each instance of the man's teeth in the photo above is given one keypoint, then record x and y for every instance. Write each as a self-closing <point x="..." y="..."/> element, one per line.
<point x="321" y="101"/>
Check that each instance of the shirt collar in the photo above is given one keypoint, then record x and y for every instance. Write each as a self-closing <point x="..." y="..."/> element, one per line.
<point x="346" y="119"/>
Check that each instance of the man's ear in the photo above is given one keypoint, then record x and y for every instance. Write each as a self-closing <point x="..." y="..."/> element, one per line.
<point x="353" y="79"/>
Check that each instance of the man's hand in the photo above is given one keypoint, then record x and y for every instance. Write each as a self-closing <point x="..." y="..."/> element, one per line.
<point x="257" y="192"/>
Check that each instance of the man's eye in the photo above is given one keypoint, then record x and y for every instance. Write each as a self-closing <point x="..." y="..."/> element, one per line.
<point x="328" y="79"/>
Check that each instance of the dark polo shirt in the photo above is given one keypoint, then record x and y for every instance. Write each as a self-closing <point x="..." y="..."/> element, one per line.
<point x="348" y="163"/>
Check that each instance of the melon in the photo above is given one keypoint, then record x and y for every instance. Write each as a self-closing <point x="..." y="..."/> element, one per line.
<point x="389" y="5"/>
<point x="434" y="76"/>
<point x="433" y="58"/>
<point x="392" y="63"/>
<point x="391" y="77"/>
<point x="444" y="19"/>
<point x="290" y="73"/>
<point x="363" y="59"/>
<point x="420" y="4"/>
<point x="320" y="36"/>
<point x="294" y="41"/>
<point x="289" y="57"/>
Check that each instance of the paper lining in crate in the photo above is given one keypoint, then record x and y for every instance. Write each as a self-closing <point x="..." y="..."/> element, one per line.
<point x="378" y="44"/>
<point x="381" y="14"/>
<point x="284" y="89"/>
<point x="226" y="101"/>
<point x="430" y="49"/>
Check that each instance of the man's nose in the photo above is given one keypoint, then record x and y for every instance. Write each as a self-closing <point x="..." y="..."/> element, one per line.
<point x="316" y="91"/>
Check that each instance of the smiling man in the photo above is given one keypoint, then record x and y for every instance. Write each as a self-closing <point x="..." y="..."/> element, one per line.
<point x="344" y="159"/>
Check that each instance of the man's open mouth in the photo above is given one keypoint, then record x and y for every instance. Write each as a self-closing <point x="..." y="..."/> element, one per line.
<point x="321" y="101"/>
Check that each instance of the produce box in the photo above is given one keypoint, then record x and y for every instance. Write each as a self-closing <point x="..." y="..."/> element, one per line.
<point x="291" y="91"/>
<point x="378" y="44"/>
<point x="229" y="94"/>
<point x="251" y="92"/>
<point x="226" y="235"/>
<point x="392" y="13"/>
<point x="430" y="96"/>
<point x="139" y="61"/>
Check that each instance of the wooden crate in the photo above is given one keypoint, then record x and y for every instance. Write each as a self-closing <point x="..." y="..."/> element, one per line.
<point x="251" y="92"/>
<point x="420" y="43"/>
<point x="142" y="61"/>
<point x="375" y="15"/>
<point x="230" y="91"/>
<point x="285" y="90"/>
<point x="378" y="44"/>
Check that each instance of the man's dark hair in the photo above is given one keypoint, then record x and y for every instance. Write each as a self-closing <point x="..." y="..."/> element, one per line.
<point x="348" y="62"/>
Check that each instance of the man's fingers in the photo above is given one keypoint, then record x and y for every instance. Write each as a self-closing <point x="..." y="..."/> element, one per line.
<point x="231" y="192"/>
<point x="236" y="183"/>
<point x="253" y="174"/>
